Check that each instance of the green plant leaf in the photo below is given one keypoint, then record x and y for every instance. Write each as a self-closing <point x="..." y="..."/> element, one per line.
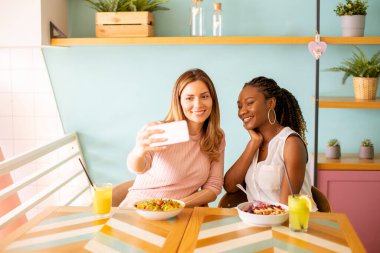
<point x="376" y="57"/>
<point x="126" y="5"/>
<point x="333" y="142"/>
<point x="352" y="7"/>
<point x="359" y="65"/>
<point x="367" y="143"/>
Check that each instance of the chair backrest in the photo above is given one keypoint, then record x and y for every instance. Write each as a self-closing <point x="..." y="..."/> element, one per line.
<point x="119" y="192"/>
<point x="54" y="170"/>
<point x="320" y="200"/>
<point x="232" y="199"/>
<point x="9" y="203"/>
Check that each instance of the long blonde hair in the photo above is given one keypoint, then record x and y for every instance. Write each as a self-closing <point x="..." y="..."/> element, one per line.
<point x="212" y="133"/>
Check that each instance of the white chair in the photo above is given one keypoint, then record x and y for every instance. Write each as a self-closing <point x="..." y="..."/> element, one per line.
<point x="57" y="165"/>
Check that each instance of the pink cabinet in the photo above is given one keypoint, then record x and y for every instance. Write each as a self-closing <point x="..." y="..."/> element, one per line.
<point x="357" y="194"/>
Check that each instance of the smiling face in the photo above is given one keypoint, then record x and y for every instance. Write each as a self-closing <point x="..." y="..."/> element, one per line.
<point x="253" y="108"/>
<point x="196" y="103"/>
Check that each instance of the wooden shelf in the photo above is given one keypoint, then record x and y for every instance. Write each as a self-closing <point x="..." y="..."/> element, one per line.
<point x="352" y="40"/>
<point x="180" y="40"/>
<point x="229" y="40"/>
<point x="348" y="162"/>
<point x="348" y="102"/>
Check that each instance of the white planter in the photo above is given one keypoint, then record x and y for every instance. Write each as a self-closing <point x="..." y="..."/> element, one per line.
<point x="353" y="26"/>
<point x="333" y="152"/>
<point x="366" y="152"/>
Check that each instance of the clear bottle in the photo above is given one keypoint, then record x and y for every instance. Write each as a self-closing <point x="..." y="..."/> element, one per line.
<point x="197" y="19"/>
<point x="217" y="20"/>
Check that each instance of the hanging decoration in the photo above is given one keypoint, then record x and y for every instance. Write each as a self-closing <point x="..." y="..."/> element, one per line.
<point x="317" y="47"/>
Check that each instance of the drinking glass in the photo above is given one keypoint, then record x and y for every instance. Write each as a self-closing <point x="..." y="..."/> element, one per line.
<point x="298" y="213"/>
<point x="102" y="200"/>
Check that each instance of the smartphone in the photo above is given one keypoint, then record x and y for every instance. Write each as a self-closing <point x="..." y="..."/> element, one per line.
<point x="175" y="132"/>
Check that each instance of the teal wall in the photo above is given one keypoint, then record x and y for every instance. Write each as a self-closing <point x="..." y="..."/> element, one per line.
<point x="106" y="93"/>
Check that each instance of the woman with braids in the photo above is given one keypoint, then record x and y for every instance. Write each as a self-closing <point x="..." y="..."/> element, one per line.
<point x="276" y="127"/>
<point x="191" y="171"/>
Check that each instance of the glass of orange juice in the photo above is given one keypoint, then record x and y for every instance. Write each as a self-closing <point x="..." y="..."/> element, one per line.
<point x="299" y="209"/>
<point x="102" y="199"/>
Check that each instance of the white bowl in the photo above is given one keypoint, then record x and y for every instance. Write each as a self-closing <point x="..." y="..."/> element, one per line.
<point x="160" y="215"/>
<point x="262" y="220"/>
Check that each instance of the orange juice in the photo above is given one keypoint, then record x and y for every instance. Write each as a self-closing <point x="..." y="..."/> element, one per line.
<point x="102" y="199"/>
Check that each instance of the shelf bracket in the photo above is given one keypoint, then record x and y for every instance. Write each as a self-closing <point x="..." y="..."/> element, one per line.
<point x="55" y="32"/>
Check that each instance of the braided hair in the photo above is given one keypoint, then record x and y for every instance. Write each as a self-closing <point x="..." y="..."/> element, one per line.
<point x="288" y="112"/>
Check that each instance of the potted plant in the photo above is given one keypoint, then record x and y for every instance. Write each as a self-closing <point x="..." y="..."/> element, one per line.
<point x="125" y="18"/>
<point x="366" y="149"/>
<point x="333" y="149"/>
<point x="365" y="73"/>
<point x="353" y="14"/>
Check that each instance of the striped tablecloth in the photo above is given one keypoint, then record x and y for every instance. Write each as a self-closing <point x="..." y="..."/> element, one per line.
<point x="76" y="229"/>
<point x="128" y="232"/>
<point x="221" y="230"/>
<point x="57" y="230"/>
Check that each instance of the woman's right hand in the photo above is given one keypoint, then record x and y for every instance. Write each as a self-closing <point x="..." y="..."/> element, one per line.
<point x="256" y="137"/>
<point x="144" y="139"/>
<point x="236" y="174"/>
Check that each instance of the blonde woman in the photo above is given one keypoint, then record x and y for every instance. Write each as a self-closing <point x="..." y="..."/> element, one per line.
<point x="191" y="171"/>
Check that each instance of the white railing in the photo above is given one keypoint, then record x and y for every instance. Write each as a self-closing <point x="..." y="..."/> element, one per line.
<point x="67" y="152"/>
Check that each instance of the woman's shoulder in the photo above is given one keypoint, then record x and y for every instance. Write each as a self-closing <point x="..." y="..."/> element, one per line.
<point x="294" y="140"/>
<point x="287" y="134"/>
<point x="223" y="139"/>
<point x="291" y="137"/>
<point x="287" y="131"/>
<point x="288" y="139"/>
<point x="221" y="131"/>
<point x="294" y="145"/>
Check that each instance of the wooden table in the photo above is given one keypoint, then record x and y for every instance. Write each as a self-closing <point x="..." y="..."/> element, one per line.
<point x="218" y="230"/>
<point x="76" y="229"/>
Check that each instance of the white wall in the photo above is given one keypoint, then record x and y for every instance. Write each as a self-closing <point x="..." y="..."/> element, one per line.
<point x="20" y="22"/>
<point x="28" y="113"/>
<point x="25" y="23"/>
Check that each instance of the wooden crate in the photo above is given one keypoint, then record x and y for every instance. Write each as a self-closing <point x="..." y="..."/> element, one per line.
<point x="124" y="24"/>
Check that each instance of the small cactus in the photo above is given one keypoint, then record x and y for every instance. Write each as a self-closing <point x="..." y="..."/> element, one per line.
<point x="367" y="143"/>
<point x="333" y="143"/>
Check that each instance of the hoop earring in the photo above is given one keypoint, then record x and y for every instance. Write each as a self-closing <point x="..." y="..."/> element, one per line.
<point x="274" y="121"/>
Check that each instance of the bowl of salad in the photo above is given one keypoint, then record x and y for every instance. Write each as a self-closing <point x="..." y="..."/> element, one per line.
<point x="263" y="214"/>
<point x="159" y="209"/>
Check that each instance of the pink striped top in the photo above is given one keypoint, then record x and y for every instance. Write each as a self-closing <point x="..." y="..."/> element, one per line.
<point x="177" y="172"/>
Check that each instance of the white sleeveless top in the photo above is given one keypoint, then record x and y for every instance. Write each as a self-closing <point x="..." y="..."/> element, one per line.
<point x="263" y="179"/>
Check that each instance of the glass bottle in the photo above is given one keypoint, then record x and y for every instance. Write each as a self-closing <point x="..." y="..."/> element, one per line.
<point x="217" y="20"/>
<point x="197" y="19"/>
